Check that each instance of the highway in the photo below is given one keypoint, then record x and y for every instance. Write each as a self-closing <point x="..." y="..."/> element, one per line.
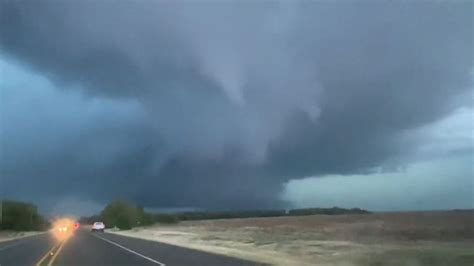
<point x="86" y="248"/>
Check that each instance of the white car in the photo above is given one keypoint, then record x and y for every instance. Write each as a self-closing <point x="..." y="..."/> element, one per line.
<point x="98" y="226"/>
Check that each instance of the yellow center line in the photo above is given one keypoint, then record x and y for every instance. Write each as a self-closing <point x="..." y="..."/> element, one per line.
<point x="57" y="253"/>
<point x="47" y="255"/>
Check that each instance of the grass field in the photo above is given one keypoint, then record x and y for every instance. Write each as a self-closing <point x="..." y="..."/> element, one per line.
<point x="410" y="238"/>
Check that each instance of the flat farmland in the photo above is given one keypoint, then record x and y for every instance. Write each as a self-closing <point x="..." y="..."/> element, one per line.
<point x="402" y="238"/>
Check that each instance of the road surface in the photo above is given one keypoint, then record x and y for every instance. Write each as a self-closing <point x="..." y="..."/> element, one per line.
<point x="86" y="248"/>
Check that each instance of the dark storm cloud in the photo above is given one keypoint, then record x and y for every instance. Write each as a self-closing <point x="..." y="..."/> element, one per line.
<point x="235" y="98"/>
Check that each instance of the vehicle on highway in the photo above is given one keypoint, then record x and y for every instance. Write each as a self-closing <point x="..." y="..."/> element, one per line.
<point x="98" y="227"/>
<point x="62" y="229"/>
<point x="63" y="225"/>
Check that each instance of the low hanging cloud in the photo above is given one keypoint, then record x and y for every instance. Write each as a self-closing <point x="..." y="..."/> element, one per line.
<point x="219" y="104"/>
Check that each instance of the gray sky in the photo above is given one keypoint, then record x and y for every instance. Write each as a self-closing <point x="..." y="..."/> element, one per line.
<point x="237" y="104"/>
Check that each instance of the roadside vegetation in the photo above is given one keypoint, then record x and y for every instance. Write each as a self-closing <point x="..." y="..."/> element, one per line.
<point x="125" y="215"/>
<point x="21" y="216"/>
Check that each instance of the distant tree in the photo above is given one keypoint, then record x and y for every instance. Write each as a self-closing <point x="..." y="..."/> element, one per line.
<point x="122" y="214"/>
<point x="125" y="215"/>
<point x="326" y="211"/>
<point x="208" y="215"/>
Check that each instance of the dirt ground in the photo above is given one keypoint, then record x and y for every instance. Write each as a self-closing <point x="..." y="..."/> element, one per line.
<point x="411" y="238"/>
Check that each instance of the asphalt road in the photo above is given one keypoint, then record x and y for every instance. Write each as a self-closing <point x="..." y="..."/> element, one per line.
<point x="86" y="248"/>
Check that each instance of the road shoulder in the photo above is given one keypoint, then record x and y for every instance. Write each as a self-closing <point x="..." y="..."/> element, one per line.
<point x="12" y="235"/>
<point x="255" y="256"/>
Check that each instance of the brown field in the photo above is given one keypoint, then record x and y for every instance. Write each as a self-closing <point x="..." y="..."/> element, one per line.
<point x="410" y="238"/>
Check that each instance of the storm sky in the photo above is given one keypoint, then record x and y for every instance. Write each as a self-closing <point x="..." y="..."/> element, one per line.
<point x="237" y="104"/>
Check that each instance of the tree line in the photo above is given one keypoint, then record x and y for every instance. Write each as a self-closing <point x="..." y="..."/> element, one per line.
<point x="122" y="214"/>
<point x="21" y="216"/>
<point x="126" y="215"/>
